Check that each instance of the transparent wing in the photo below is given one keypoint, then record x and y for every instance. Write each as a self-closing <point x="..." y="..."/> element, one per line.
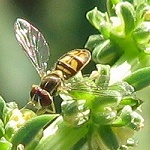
<point x="33" y="43"/>
<point x="88" y="85"/>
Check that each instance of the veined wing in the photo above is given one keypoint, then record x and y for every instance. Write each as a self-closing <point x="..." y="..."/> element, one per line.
<point x="33" y="43"/>
<point x="87" y="85"/>
<point x="87" y="88"/>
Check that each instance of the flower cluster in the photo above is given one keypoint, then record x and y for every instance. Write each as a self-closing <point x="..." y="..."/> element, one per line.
<point x="11" y="120"/>
<point x="99" y="110"/>
<point x="123" y="41"/>
<point x="109" y="110"/>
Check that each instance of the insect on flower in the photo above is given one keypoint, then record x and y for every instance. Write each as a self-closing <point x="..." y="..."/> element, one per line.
<point x="37" y="50"/>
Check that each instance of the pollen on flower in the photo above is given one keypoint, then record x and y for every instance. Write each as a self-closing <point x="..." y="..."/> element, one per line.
<point x="21" y="116"/>
<point x="28" y="114"/>
<point x="16" y="115"/>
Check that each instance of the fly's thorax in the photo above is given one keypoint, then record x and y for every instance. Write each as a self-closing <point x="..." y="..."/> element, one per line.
<point x="52" y="82"/>
<point x="40" y="97"/>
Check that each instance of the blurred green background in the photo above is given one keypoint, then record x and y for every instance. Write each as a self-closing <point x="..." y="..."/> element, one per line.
<point x="65" y="27"/>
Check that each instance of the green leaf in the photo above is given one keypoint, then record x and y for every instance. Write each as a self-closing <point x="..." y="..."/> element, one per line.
<point x="139" y="79"/>
<point x="80" y="145"/>
<point x="27" y="132"/>
<point x="64" y="137"/>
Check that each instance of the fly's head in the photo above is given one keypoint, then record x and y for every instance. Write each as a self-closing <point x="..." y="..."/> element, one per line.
<point x="40" y="97"/>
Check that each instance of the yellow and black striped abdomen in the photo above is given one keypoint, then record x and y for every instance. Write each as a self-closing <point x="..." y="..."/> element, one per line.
<point x="72" y="62"/>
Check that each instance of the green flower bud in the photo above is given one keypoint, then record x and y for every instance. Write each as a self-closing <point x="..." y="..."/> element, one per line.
<point x="106" y="53"/>
<point x="10" y="129"/>
<point x="129" y="118"/>
<point x="142" y="12"/>
<point x="75" y="113"/>
<point x="126" y="114"/>
<point x="95" y="17"/>
<point x="2" y="107"/>
<point x="93" y="41"/>
<point x="137" y="121"/>
<point x="105" y="29"/>
<point x="126" y="12"/>
<point x="108" y="137"/>
<point x="104" y="117"/>
<point x="106" y="98"/>
<point x="142" y="36"/>
<point x="17" y="119"/>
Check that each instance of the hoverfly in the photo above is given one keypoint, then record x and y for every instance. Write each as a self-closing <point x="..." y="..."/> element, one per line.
<point x="37" y="50"/>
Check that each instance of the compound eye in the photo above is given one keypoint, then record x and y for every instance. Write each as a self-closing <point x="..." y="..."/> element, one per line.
<point x="40" y="97"/>
<point x="45" y="98"/>
<point x="34" y="91"/>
